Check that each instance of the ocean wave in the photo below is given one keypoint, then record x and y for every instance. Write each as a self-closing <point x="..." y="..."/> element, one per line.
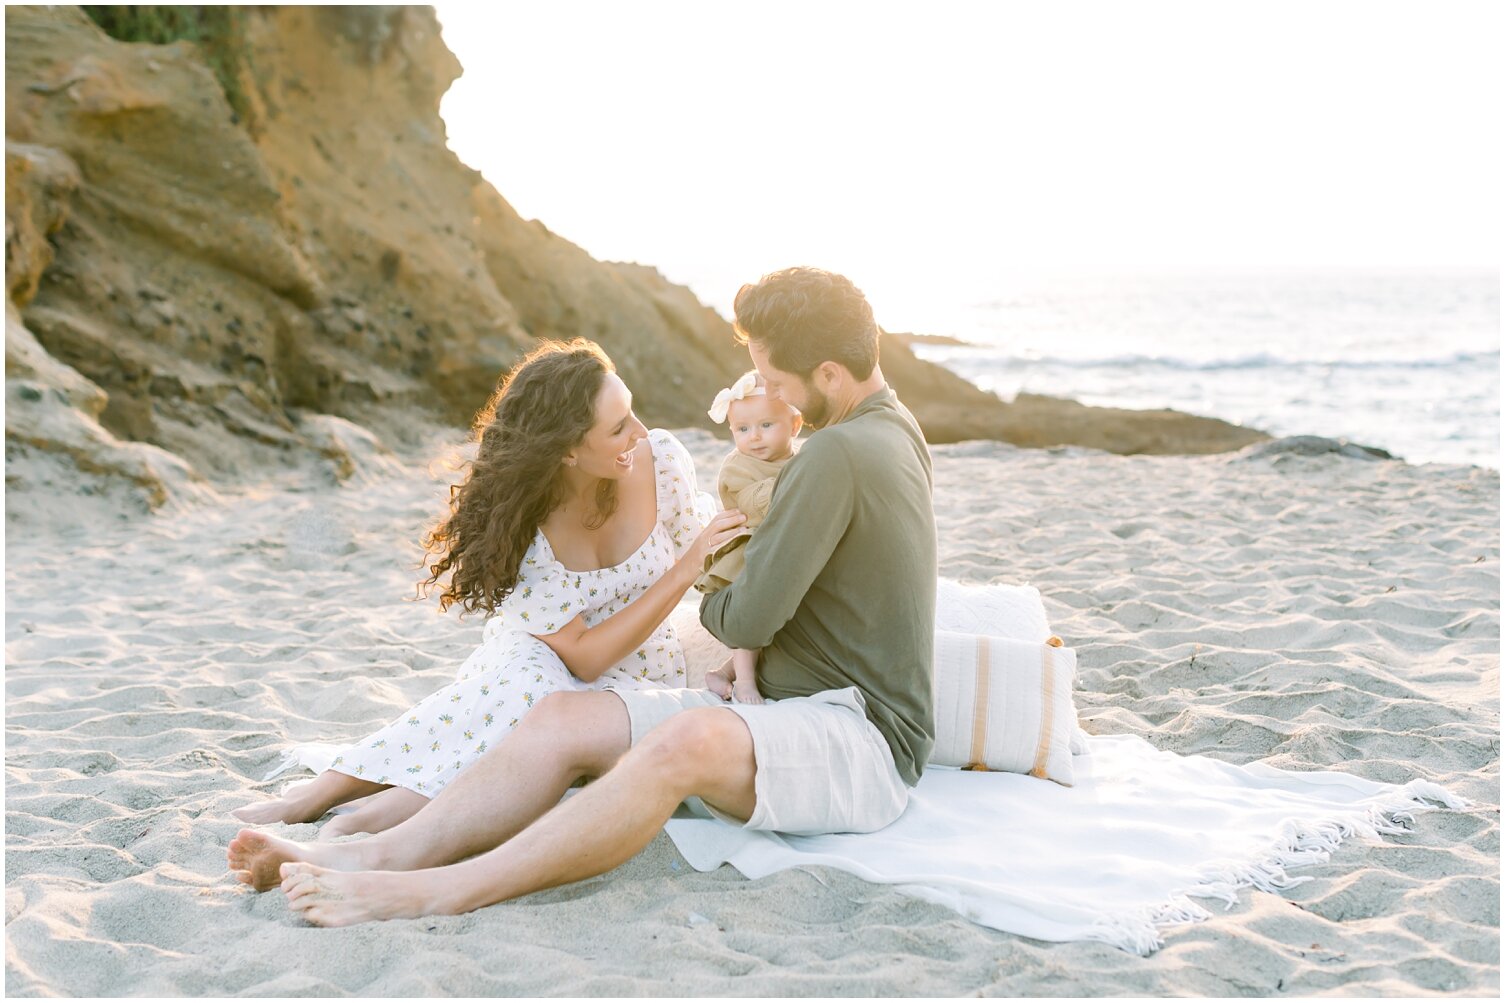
<point x="981" y="356"/>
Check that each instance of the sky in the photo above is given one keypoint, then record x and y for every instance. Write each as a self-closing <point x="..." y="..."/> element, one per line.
<point x="936" y="152"/>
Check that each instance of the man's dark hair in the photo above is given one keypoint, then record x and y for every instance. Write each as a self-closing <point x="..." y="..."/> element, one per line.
<point x="806" y="316"/>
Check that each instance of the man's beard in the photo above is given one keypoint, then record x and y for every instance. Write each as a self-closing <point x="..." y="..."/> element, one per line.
<point x="817" y="409"/>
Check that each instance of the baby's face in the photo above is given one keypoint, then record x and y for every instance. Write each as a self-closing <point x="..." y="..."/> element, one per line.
<point x="764" y="427"/>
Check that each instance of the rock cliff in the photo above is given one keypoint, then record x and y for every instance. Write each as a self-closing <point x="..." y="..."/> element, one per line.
<point x="214" y="247"/>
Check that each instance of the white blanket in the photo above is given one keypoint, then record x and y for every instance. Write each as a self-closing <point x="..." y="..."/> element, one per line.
<point x="1115" y="858"/>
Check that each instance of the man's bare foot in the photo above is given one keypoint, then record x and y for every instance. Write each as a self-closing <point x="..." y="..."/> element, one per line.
<point x="719" y="681"/>
<point x="256" y="857"/>
<point x="746" y="691"/>
<point x="335" y="898"/>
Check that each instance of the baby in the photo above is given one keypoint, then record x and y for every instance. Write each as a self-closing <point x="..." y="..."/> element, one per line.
<point x="764" y="430"/>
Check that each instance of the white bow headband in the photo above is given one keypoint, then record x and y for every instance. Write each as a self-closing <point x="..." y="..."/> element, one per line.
<point x="746" y="386"/>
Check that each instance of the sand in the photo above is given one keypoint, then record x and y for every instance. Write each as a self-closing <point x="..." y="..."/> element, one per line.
<point x="1313" y="611"/>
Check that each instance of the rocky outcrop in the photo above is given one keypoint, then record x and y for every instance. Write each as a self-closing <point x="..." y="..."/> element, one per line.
<point x="238" y="284"/>
<point x="222" y="279"/>
<point x="953" y="410"/>
<point x="1314" y="445"/>
<point x="50" y="408"/>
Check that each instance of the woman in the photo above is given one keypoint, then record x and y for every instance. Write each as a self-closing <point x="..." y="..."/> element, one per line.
<point x="577" y="530"/>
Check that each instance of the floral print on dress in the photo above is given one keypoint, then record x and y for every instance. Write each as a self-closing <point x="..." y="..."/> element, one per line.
<point x="429" y="745"/>
<point x="683" y="510"/>
<point x="546" y="597"/>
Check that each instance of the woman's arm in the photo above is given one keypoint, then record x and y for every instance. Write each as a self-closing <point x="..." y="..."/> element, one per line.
<point x="589" y="651"/>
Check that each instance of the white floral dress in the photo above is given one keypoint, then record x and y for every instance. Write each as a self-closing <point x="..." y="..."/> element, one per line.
<point x="512" y="670"/>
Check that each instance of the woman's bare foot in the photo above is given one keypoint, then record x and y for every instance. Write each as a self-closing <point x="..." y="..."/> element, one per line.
<point x="359" y="803"/>
<point x="286" y="810"/>
<point x="256" y="857"/>
<point x="376" y="813"/>
<point x="746" y="691"/>
<point x="309" y="802"/>
<point x="719" y="681"/>
<point x="333" y="898"/>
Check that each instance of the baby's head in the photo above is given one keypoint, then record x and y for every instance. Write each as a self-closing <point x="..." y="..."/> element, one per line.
<point x="762" y="426"/>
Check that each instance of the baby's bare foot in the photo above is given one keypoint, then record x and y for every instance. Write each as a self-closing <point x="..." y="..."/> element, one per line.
<point x="334" y="898"/>
<point x="746" y="691"/>
<point x="719" y="681"/>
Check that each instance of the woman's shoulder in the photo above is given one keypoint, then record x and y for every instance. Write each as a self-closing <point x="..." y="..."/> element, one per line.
<point x="661" y="440"/>
<point x="539" y="556"/>
<point x="680" y="500"/>
<point x="669" y="454"/>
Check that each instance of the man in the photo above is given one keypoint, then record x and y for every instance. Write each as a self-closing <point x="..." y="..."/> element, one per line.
<point x="838" y="593"/>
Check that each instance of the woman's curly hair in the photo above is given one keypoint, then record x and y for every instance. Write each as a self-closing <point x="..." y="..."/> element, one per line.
<point x="540" y="412"/>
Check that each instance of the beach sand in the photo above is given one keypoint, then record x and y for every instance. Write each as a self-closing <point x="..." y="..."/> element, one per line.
<point x="1316" y="612"/>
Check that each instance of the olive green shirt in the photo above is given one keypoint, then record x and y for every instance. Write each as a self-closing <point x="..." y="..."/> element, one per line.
<point x="839" y="588"/>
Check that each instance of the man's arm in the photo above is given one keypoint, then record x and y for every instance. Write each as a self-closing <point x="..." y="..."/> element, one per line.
<point x="811" y="509"/>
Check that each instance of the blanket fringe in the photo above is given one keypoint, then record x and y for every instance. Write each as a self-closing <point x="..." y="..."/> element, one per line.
<point x="1299" y="844"/>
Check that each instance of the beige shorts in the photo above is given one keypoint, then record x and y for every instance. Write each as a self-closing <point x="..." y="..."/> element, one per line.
<point x="821" y="765"/>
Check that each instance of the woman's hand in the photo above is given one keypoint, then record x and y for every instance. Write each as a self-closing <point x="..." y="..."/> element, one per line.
<point x="723" y="528"/>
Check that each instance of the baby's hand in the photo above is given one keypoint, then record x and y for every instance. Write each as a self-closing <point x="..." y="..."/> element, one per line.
<point x="746" y="691"/>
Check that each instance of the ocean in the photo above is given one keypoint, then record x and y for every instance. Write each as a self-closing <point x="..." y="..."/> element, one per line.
<point x="1406" y="361"/>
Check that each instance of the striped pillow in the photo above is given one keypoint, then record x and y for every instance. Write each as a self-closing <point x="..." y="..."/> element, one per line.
<point x="1004" y="705"/>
